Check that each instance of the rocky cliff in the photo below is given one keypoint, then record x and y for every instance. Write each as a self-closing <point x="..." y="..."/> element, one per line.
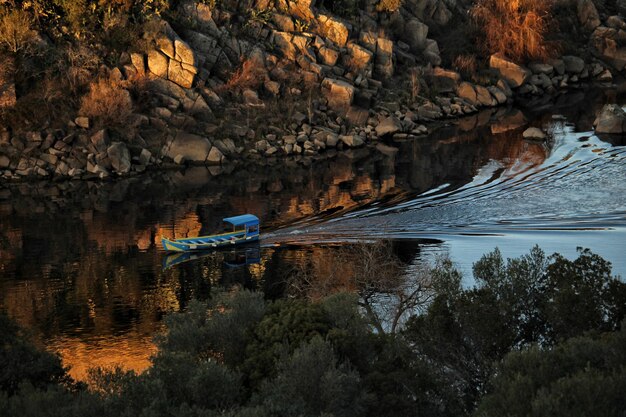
<point x="217" y="83"/>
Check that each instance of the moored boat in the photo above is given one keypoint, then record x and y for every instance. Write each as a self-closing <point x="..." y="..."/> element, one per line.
<point x="245" y="228"/>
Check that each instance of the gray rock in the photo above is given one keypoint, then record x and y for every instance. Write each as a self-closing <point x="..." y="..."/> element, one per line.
<point x="611" y="119"/>
<point x="416" y="34"/>
<point x="4" y="162"/>
<point x="352" y="141"/>
<point x="541" y="68"/>
<point x="497" y="94"/>
<point x="179" y="159"/>
<point x="573" y="64"/>
<point x="534" y="134"/>
<point x="120" y="157"/>
<point x="388" y="126"/>
<point x="100" y="140"/>
<point x="192" y="147"/>
<point x="559" y="66"/>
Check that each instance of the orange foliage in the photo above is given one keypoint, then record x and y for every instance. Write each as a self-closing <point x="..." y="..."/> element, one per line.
<point x="466" y="64"/>
<point x="515" y="28"/>
<point x="107" y="102"/>
<point x="250" y="74"/>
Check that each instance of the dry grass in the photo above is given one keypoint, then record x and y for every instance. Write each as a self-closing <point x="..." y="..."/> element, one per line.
<point x="107" y="103"/>
<point x="515" y="28"/>
<point x="466" y="64"/>
<point x="250" y="74"/>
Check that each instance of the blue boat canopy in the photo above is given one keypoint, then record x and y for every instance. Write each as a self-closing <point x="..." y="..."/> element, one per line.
<point x="243" y="220"/>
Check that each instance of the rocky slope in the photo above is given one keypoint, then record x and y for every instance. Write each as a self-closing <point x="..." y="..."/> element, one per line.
<point x="253" y="79"/>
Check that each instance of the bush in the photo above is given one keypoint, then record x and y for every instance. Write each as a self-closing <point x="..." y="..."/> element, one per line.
<point x="515" y="28"/>
<point x="22" y="363"/>
<point x="107" y="103"/>
<point x="585" y="376"/>
<point x="388" y="6"/>
<point x="16" y="33"/>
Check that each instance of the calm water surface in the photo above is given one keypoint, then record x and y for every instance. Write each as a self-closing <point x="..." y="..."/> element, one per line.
<point x="80" y="265"/>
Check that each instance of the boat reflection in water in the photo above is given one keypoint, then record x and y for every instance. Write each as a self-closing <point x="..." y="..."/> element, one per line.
<point x="231" y="258"/>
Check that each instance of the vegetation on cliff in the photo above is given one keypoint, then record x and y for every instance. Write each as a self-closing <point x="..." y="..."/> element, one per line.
<point x="536" y="335"/>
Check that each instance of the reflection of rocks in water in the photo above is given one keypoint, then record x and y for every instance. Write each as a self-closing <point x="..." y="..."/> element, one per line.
<point x="455" y="159"/>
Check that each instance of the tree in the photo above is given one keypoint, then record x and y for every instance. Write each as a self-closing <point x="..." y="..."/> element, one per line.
<point x="518" y="303"/>
<point x="583" y="376"/>
<point x="16" y="32"/>
<point x="22" y="362"/>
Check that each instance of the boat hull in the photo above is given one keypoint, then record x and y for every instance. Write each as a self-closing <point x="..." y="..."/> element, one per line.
<point x="206" y="242"/>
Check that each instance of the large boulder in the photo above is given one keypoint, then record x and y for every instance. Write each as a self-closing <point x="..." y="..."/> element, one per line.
<point x="193" y="148"/>
<point x="388" y="126"/>
<point x="415" y="34"/>
<point x="611" y="119"/>
<point x="467" y="92"/>
<point x="358" y="58"/>
<point x="284" y="44"/>
<point x="120" y="157"/>
<point x="588" y="15"/>
<point x="173" y="58"/>
<point x="514" y="74"/>
<point x="338" y="93"/>
<point x="158" y="63"/>
<point x="573" y="64"/>
<point x="334" y="29"/>
<point x="431" y="53"/>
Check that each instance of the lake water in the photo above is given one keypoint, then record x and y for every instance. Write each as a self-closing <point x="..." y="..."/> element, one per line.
<point x="80" y="263"/>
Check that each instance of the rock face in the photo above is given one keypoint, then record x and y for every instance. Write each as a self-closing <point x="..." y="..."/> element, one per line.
<point x="612" y="119"/>
<point x="338" y="93"/>
<point x="514" y="74"/>
<point x="191" y="147"/>
<point x="333" y="29"/>
<point x="173" y="58"/>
